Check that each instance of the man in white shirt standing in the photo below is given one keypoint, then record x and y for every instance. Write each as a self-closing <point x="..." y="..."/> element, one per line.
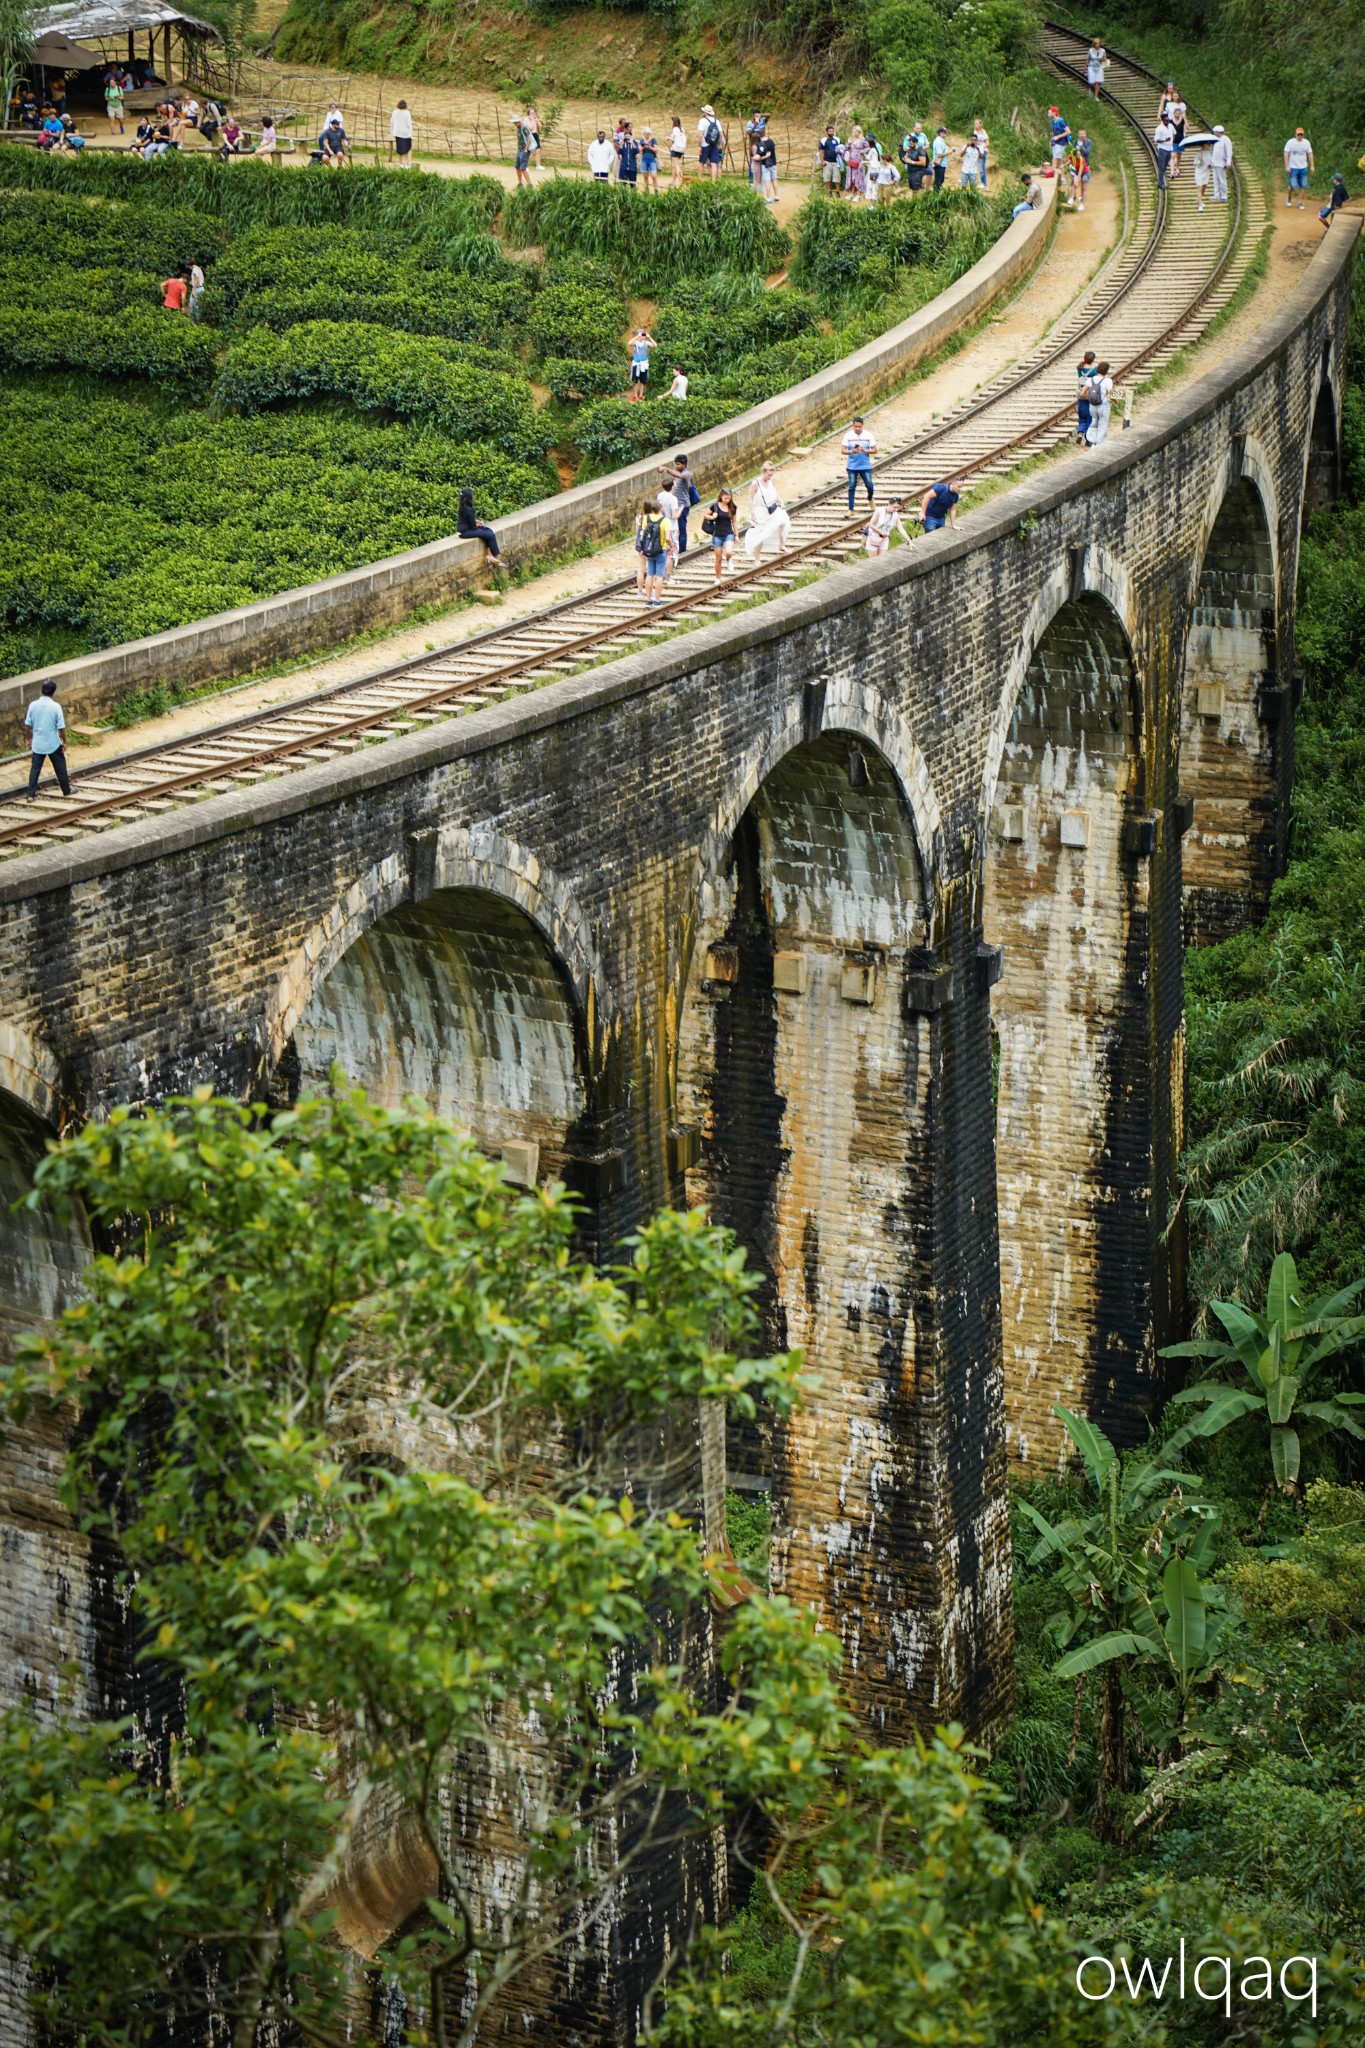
<point x="1220" y="161"/>
<point x="1298" y="162"/>
<point x="46" y="723"/>
<point x="601" y="157"/>
<point x="1163" y="138"/>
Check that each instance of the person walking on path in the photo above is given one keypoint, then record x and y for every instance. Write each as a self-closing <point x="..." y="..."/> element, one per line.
<point x="677" y="149"/>
<point x="1061" y="137"/>
<point x="400" y="134"/>
<point x="1175" y="114"/>
<point x="1220" y="160"/>
<point x="719" y="525"/>
<point x="113" y="101"/>
<point x="883" y="523"/>
<point x="1336" y="199"/>
<point x="1078" y="169"/>
<point x="639" y="361"/>
<point x="711" y="137"/>
<point x="523" y="155"/>
<point x="1163" y="138"/>
<point x="1298" y="162"/>
<point x="939" y="504"/>
<point x="859" y="448"/>
<point x="649" y="160"/>
<point x="1096" y="59"/>
<point x="831" y="159"/>
<point x="468" y="527"/>
<point x="651" y="545"/>
<point x="532" y="120"/>
<point x="1101" y="398"/>
<point x="938" y="155"/>
<point x="769" y="518"/>
<point x="46" y="723"/>
<point x="601" y="157"/>
<point x="856" y="156"/>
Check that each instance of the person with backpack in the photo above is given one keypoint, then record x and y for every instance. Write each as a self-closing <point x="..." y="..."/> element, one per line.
<point x="722" y="515"/>
<point x="915" y="156"/>
<point x="651" y="546"/>
<point x="711" y="136"/>
<point x="1061" y="136"/>
<point x="1101" y="396"/>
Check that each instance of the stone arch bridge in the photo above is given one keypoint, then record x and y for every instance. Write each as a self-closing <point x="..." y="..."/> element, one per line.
<point x="860" y="918"/>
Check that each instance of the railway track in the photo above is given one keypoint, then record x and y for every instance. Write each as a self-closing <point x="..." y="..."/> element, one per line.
<point x="1173" y="271"/>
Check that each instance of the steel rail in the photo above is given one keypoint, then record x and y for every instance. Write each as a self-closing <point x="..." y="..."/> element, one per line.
<point x="256" y="759"/>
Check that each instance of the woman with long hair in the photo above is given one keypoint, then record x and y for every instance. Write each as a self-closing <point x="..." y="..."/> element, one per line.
<point x="469" y="528"/>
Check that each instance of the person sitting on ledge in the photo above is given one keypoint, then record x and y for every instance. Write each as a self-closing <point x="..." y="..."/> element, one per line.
<point x="468" y="527"/>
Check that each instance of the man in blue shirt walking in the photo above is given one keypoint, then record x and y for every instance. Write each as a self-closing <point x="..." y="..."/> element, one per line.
<point x="46" y="724"/>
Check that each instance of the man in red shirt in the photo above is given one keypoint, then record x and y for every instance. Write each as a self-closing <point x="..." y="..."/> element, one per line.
<point x="175" y="290"/>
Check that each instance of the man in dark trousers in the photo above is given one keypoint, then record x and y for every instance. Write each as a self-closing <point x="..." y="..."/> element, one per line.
<point x="46" y="725"/>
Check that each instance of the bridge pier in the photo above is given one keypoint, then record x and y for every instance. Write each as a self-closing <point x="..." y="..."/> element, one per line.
<point x="835" y="1064"/>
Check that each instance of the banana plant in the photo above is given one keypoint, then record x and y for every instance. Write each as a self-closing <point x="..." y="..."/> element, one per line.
<point x="1130" y="1571"/>
<point x="1276" y="1354"/>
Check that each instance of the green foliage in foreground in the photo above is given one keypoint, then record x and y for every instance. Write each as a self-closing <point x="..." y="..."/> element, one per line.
<point x="314" y="1390"/>
<point x="287" y="498"/>
<point x="138" y="341"/>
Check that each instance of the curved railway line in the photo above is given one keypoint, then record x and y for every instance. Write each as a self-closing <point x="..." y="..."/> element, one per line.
<point x="1173" y="271"/>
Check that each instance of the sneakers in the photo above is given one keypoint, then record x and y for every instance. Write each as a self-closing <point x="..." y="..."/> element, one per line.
<point x="1288" y="199"/>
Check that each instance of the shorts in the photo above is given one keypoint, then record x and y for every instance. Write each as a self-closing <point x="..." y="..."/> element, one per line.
<point x="722" y="540"/>
<point x="1298" y="180"/>
<point x="649" y="163"/>
<point x="654" y="564"/>
<point x="639" y="373"/>
<point x="625" y="177"/>
<point x="676" y="155"/>
<point x="830" y="173"/>
<point x="523" y="159"/>
<point x="712" y="153"/>
<point x="602" y="177"/>
<point x="403" y="144"/>
<point x="1058" y="152"/>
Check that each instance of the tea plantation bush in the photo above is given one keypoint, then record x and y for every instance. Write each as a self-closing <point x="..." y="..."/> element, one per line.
<point x="414" y="377"/>
<point x="573" y="320"/>
<point x="281" y="266"/>
<point x="614" y="431"/>
<point x="138" y="342"/>
<point x="167" y="515"/>
<point x="675" y="234"/>
<point x="52" y="233"/>
<point x="848" y="254"/>
<point x="570" y="379"/>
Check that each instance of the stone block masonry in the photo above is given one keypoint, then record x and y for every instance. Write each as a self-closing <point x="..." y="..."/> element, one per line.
<point x="858" y="916"/>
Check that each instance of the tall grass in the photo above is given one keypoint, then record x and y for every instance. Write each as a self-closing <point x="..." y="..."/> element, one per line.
<point x="648" y="241"/>
<point x="851" y="257"/>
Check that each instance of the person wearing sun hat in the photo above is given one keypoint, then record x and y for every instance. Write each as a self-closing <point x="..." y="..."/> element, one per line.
<point x="1220" y="158"/>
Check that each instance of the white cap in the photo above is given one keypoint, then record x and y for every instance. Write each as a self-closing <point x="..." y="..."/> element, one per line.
<point x="1217" y="128"/>
<point x="709" y="110"/>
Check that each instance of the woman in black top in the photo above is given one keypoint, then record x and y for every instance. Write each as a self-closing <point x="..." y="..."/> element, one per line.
<point x="719" y="525"/>
<point x="467" y="522"/>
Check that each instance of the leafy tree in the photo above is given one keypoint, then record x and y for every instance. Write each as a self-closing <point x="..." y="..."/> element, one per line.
<point x="360" y="1428"/>
<point x="1130" y="1573"/>
<point x="1279" y="1352"/>
<point x="18" y="32"/>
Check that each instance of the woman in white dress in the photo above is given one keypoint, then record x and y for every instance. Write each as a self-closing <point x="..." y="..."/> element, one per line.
<point x="769" y="518"/>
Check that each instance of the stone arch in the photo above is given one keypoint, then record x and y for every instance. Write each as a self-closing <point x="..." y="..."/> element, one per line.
<point x="1322" y="455"/>
<point x="804" y="1089"/>
<point x="1089" y="571"/>
<point x="453" y="992"/>
<point x="1234" y="755"/>
<point x="1065" y="896"/>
